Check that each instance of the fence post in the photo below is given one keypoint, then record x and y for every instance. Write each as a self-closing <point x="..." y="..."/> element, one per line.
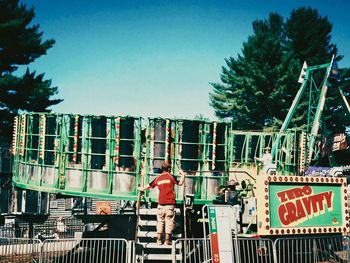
<point x="236" y="254"/>
<point x="41" y="252"/>
<point x="346" y="247"/>
<point x="274" y="251"/>
<point x="173" y="251"/>
<point x="130" y="248"/>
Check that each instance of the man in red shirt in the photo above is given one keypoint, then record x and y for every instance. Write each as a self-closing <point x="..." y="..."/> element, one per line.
<point x="166" y="202"/>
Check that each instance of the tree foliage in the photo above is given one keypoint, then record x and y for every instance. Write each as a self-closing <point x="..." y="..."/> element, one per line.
<point x="258" y="86"/>
<point x="20" y="44"/>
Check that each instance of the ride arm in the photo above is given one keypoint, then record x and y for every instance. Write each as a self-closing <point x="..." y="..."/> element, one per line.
<point x="345" y="101"/>
<point x="290" y="112"/>
<point x="318" y="114"/>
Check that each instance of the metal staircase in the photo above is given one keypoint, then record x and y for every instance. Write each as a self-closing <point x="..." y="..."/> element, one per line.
<point x="147" y="236"/>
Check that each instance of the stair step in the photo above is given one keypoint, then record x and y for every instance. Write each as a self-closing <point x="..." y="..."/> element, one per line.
<point x="153" y="211"/>
<point x="147" y="245"/>
<point x="161" y="257"/>
<point x="155" y="245"/>
<point x="154" y="234"/>
<point x="146" y="234"/>
<point x="147" y="223"/>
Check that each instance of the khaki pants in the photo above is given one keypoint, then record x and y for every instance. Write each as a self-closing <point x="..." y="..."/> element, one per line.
<point x="165" y="218"/>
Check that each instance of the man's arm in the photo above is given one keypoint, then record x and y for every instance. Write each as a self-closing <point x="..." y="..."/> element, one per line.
<point x="258" y="159"/>
<point x="145" y="188"/>
<point x="182" y="178"/>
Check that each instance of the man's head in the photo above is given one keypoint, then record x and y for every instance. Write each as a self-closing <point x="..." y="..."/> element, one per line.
<point x="232" y="184"/>
<point x="166" y="166"/>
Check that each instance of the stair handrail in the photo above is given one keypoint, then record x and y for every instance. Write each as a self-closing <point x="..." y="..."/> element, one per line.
<point x="138" y="204"/>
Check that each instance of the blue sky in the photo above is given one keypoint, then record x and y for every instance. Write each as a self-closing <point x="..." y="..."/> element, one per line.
<point x="154" y="58"/>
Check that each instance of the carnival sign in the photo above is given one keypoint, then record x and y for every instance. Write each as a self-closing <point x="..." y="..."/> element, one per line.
<point x="302" y="205"/>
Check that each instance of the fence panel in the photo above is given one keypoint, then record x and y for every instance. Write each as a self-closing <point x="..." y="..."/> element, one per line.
<point x="86" y="251"/>
<point x="7" y="231"/>
<point x="136" y="252"/>
<point x="59" y="228"/>
<point x="191" y="250"/>
<point x="312" y="249"/>
<point x="19" y="250"/>
<point x="253" y="250"/>
<point x="246" y="250"/>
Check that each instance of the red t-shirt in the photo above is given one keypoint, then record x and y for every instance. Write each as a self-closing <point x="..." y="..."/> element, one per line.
<point x="165" y="183"/>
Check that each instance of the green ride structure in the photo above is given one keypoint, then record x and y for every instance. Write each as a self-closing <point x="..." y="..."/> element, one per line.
<point x="109" y="156"/>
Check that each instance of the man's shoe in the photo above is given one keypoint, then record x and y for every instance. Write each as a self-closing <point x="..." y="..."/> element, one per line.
<point x="168" y="243"/>
<point x="159" y="242"/>
<point x="167" y="239"/>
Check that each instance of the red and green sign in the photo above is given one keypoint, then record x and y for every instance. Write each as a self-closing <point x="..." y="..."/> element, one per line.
<point x="302" y="205"/>
<point x="305" y="205"/>
<point x="220" y="227"/>
<point x="214" y="234"/>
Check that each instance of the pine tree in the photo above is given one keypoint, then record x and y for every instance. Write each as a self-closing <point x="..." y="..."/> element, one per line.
<point x="257" y="87"/>
<point x="309" y="36"/>
<point x="309" y="39"/>
<point x="252" y="88"/>
<point x="20" y="44"/>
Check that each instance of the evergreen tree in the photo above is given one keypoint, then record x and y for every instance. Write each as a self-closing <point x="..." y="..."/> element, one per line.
<point x="309" y="39"/>
<point x="253" y="85"/>
<point x="257" y="87"/>
<point x="20" y="44"/>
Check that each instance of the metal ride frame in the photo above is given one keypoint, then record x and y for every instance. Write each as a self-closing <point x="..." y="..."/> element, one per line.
<point x="316" y="95"/>
<point x="109" y="156"/>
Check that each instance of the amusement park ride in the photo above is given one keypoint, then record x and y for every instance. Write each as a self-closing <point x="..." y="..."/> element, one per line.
<point x="107" y="157"/>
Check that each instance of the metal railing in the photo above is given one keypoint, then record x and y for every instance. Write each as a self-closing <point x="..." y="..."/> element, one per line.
<point x="262" y="250"/>
<point x="253" y="250"/>
<point x="312" y="249"/>
<point x="250" y="250"/>
<point x="193" y="250"/>
<point x="20" y="250"/>
<point x="70" y="250"/>
<point x="87" y="251"/>
<point x="7" y="232"/>
<point x="62" y="228"/>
